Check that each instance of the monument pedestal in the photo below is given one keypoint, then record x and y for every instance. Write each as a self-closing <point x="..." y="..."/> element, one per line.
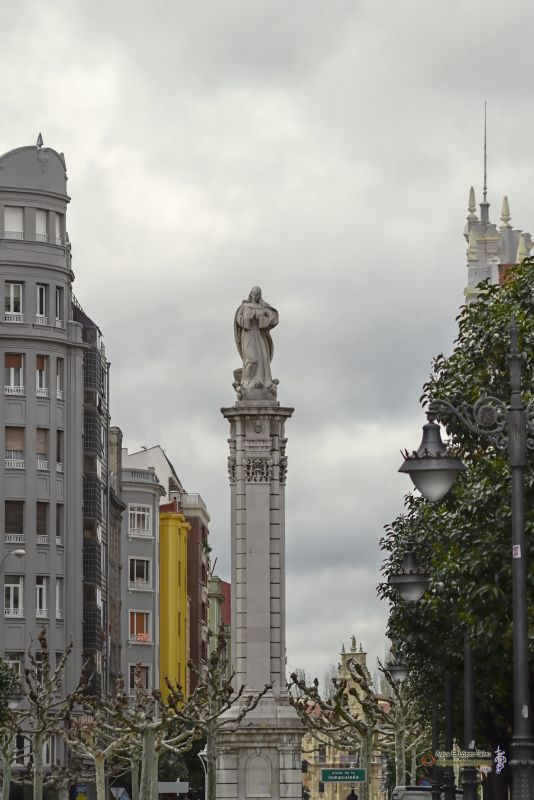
<point x="261" y="757"/>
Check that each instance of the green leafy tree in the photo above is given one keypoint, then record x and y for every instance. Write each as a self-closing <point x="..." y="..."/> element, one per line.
<point x="463" y="542"/>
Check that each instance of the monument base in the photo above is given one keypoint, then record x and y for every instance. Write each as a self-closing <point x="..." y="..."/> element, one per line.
<point x="261" y="758"/>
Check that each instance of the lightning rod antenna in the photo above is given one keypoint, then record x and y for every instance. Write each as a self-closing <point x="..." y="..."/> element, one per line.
<point x="485" y="154"/>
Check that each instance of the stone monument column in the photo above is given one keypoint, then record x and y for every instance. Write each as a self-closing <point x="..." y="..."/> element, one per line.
<point x="261" y="757"/>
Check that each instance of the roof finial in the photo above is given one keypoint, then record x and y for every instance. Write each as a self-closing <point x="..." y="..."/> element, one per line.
<point x="522" y="251"/>
<point x="505" y="213"/>
<point x="39" y="141"/>
<point x="472" y="207"/>
<point x="353" y="644"/>
<point x="485" y="154"/>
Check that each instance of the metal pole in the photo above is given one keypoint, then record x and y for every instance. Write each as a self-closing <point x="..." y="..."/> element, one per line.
<point x="449" y="786"/>
<point x="436" y="784"/>
<point x="469" y="774"/>
<point x="522" y="746"/>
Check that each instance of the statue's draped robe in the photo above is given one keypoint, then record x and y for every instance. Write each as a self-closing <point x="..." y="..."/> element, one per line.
<point x="254" y="343"/>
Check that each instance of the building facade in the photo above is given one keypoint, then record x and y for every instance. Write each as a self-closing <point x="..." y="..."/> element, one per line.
<point x="196" y="514"/>
<point x="173" y="599"/>
<point x="492" y="250"/>
<point x="41" y="409"/>
<point x="141" y="493"/>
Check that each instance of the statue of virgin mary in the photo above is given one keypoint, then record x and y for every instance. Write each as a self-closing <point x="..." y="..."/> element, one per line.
<point x="252" y="324"/>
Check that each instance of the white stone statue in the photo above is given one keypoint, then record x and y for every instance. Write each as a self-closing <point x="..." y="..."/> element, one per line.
<point x="253" y="320"/>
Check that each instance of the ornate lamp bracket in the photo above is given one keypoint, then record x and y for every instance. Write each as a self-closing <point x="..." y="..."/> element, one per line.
<point x="487" y="417"/>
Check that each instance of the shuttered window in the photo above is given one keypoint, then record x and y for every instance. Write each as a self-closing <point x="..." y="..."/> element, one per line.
<point x="14" y="516"/>
<point x="13" y="222"/>
<point x="15" y="439"/>
<point x="40" y="362"/>
<point x="42" y="441"/>
<point x="41" y="519"/>
<point x="14" y="360"/>
<point x="40" y="225"/>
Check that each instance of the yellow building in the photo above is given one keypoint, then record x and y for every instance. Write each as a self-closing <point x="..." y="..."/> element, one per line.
<point x="173" y="600"/>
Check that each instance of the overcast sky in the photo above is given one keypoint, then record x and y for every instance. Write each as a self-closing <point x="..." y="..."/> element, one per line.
<point x="322" y="149"/>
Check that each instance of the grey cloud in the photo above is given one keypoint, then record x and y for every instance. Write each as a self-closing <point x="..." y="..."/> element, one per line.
<point x="323" y="151"/>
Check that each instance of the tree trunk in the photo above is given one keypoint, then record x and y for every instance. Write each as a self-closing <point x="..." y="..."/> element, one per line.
<point x="37" y="744"/>
<point x="365" y="759"/>
<point x="155" y="775"/>
<point x="100" y="773"/>
<point x="6" y="777"/>
<point x="211" y="771"/>
<point x="400" y="748"/>
<point x="413" y="767"/>
<point x="147" y="765"/>
<point x="134" y="766"/>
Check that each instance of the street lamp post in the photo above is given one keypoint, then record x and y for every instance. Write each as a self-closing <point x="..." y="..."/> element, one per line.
<point x="507" y="427"/>
<point x="18" y="553"/>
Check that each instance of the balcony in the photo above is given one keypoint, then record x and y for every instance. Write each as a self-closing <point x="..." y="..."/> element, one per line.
<point x="13" y="316"/>
<point x="140" y="586"/>
<point x="59" y="240"/>
<point x="59" y="613"/>
<point x="42" y="391"/>
<point x="14" y="459"/>
<point x="41" y="613"/>
<point x="13" y="612"/>
<point x="14" y="538"/>
<point x="14" y="390"/>
<point x="59" y="541"/>
<point x="59" y="466"/>
<point x="41" y="237"/>
<point x="42" y="539"/>
<point x="13" y="234"/>
<point x="40" y="319"/>
<point x="139" y="638"/>
<point x="41" y="463"/>
<point x="59" y="394"/>
<point x="59" y="323"/>
<point x="142" y="533"/>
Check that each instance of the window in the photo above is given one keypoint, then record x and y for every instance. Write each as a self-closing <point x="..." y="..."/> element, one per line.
<point x="14" y="516"/>
<point x="59" y="225"/>
<point x="59" y="451"/>
<point x="41" y="523"/>
<point x="13" y="222"/>
<point x="41" y="388"/>
<point x="59" y="523"/>
<point x="139" y="577"/>
<point x="14" y="448"/>
<point x="139" y="520"/>
<point x="14" y="373"/>
<point x="41" y="233"/>
<point x="22" y="749"/>
<point x="139" y="626"/>
<point x="40" y="316"/>
<point x="41" y="607"/>
<point x="42" y="448"/>
<point x="51" y="749"/>
<point x="13" y="302"/>
<point x="99" y="597"/>
<point x="141" y="673"/>
<point x="15" y="661"/>
<point x="39" y="666"/>
<point x="59" y="598"/>
<point x="13" y="596"/>
<point x="59" y="307"/>
<point x="59" y="379"/>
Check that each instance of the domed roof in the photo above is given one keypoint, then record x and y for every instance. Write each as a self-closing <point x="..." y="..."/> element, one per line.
<point x="34" y="168"/>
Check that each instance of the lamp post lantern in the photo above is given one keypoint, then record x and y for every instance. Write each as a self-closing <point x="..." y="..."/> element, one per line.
<point x="18" y="553"/>
<point x="508" y="428"/>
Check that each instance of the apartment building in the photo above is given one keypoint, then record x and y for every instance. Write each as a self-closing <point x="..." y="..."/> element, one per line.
<point x="54" y="488"/>
<point x="140" y="547"/>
